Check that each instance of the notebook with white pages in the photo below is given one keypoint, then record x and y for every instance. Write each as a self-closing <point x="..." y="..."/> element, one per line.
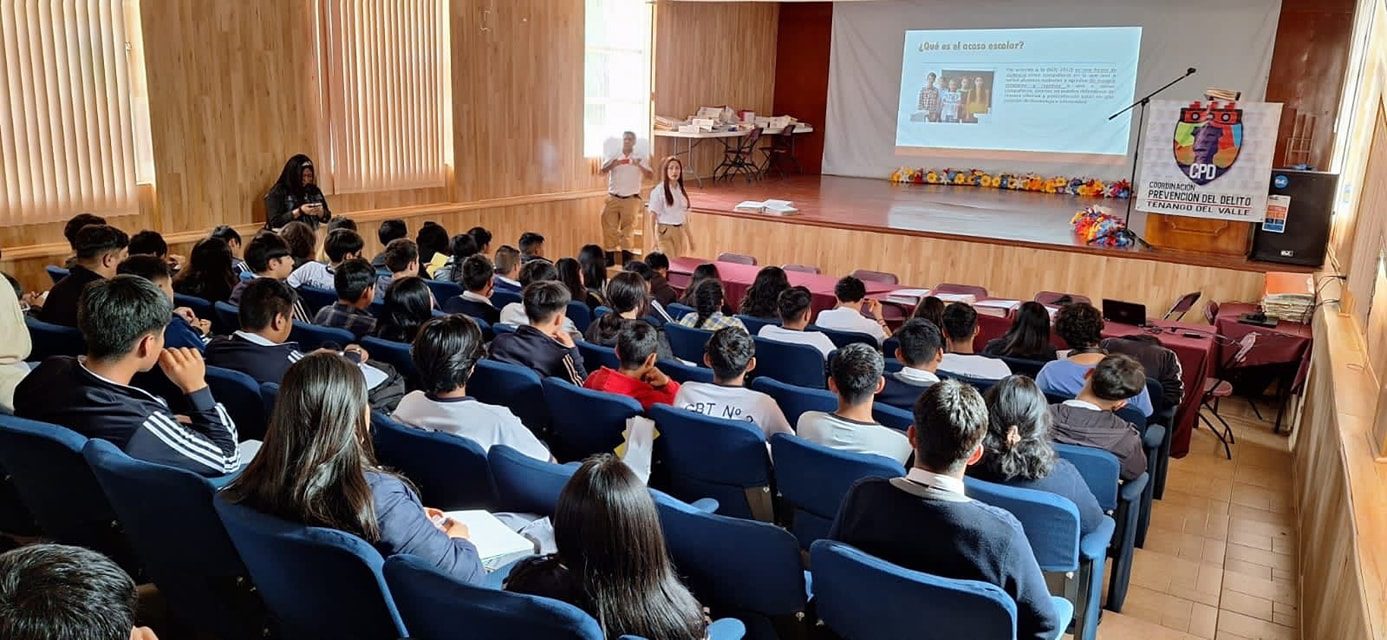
<point x="907" y="296"/>
<point x="996" y="307"/>
<point x="497" y="544"/>
<point x="965" y="298"/>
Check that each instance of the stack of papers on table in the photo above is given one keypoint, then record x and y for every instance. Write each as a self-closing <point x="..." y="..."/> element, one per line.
<point x="1289" y="296"/>
<point x="496" y="544"/>
<point x="995" y="307"/>
<point x="911" y="297"/>
<point x="965" y="298"/>
<point x="770" y="207"/>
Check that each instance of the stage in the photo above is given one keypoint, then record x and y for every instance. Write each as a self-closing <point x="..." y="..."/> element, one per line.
<point x="1014" y="218"/>
<point x="1013" y="243"/>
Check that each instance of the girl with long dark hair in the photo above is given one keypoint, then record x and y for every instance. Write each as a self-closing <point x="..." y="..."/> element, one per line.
<point x="612" y="561"/>
<point x="762" y="298"/>
<point x="1028" y="338"/>
<point x="708" y="315"/>
<point x="317" y="467"/>
<point x="702" y="272"/>
<point x="628" y="297"/>
<point x="669" y="209"/>
<point x="571" y="275"/>
<point x="932" y="309"/>
<point x="461" y="247"/>
<point x="209" y="273"/>
<point x="1017" y="449"/>
<point x="432" y="239"/>
<point x="408" y="305"/>
<point x="296" y="196"/>
<point x="593" y="261"/>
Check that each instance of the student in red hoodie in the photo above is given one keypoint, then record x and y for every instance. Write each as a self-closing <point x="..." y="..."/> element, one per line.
<point x="637" y="346"/>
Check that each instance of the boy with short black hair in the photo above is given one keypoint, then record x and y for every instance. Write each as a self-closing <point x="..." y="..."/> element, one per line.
<point x="855" y="375"/>
<point x="185" y="329"/>
<point x="543" y="344"/>
<point x="960" y="329"/>
<point x="731" y="353"/>
<point x="637" y="347"/>
<point x="925" y="522"/>
<point x="70" y="229"/>
<point x="660" y="288"/>
<point x="401" y="259"/>
<point x="340" y="244"/>
<point x="52" y="591"/>
<point x="531" y="247"/>
<point x="847" y="316"/>
<point x="475" y="300"/>
<point x="1090" y="419"/>
<point x="515" y="312"/>
<point x="793" y="307"/>
<point x="445" y="353"/>
<point x="355" y="284"/>
<point x="483" y="239"/>
<point x="232" y="238"/>
<point x="100" y="248"/>
<point x="152" y="244"/>
<point x="261" y="348"/>
<point x="507" y="265"/>
<point x="122" y="321"/>
<point x="921" y="348"/>
<point x="268" y="256"/>
<point x="389" y="231"/>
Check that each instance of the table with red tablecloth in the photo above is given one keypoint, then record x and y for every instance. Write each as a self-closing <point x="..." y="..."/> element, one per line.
<point x="1285" y="347"/>
<point x="737" y="278"/>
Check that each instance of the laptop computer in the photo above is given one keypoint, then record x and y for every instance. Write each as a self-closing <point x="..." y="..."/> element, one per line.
<point x="1130" y="313"/>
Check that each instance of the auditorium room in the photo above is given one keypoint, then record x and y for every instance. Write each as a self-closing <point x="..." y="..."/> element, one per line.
<point x="693" y="320"/>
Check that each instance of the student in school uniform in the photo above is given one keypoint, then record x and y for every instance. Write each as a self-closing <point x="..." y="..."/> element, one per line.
<point x="507" y="266"/>
<point x="478" y="281"/>
<point x="855" y="376"/>
<point x="731" y="354"/>
<point x="920" y="351"/>
<point x="100" y="248"/>
<point x="445" y="353"/>
<point x="847" y="316"/>
<point x="185" y="328"/>
<point x="268" y="257"/>
<point x="794" y="310"/>
<point x="960" y="329"/>
<point x="637" y="348"/>
<point x="669" y="208"/>
<point x="122" y="321"/>
<point x="340" y="245"/>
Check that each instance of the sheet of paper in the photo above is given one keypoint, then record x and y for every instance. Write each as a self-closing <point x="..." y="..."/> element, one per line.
<point x="496" y="543"/>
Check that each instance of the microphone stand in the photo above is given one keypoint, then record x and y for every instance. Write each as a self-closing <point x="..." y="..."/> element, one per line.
<point x="1136" y="152"/>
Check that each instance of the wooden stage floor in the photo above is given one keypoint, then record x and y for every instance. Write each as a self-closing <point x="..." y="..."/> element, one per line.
<point x="974" y="214"/>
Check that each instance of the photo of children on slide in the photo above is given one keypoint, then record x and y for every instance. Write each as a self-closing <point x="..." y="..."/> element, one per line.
<point x="955" y="96"/>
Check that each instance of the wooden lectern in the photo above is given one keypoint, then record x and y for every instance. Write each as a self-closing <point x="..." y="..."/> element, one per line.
<point x="1199" y="235"/>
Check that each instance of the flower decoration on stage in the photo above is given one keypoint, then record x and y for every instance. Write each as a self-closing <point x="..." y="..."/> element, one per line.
<point x="1058" y="185"/>
<point x="1095" y="225"/>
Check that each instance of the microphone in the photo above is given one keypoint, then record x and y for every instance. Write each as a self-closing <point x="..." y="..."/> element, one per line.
<point x="1190" y="71"/>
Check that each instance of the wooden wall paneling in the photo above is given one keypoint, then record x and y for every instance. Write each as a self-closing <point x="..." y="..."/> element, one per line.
<point x="712" y="54"/>
<point x="1006" y="271"/>
<point x="518" y="98"/>
<point x="1308" y="66"/>
<point x="804" y="34"/>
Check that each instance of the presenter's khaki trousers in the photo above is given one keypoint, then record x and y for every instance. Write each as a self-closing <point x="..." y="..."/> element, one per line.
<point x="672" y="239"/>
<point x="619" y="222"/>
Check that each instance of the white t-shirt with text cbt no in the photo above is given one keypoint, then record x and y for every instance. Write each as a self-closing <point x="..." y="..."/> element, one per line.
<point x="733" y="403"/>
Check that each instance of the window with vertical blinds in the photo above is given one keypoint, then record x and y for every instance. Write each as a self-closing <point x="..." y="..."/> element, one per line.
<point x="385" y="87"/>
<point x="616" y="76"/>
<point x="66" y="135"/>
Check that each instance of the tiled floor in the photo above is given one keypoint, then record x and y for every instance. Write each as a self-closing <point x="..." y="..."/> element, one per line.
<point x="1220" y="558"/>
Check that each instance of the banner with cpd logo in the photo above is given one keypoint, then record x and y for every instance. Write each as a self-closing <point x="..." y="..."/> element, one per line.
<point x="1208" y="159"/>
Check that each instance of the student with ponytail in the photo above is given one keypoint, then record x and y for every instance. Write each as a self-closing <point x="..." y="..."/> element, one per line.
<point x="707" y="304"/>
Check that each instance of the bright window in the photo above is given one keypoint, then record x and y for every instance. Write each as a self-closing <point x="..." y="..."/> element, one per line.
<point x="386" y="113"/>
<point x="67" y="140"/>
<point x="616" y="70"/>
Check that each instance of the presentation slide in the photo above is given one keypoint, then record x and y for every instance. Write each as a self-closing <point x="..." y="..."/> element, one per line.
<point x="1032" y="90"/>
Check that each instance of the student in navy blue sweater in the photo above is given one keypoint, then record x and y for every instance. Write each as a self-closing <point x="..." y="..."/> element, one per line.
<point x="185" y="328"/>
<point x="477" y="277"/>
<point x="317" y="467"/>
<point x="99" y="249"/>
<point x="543" y="345"/>
<point x="261" y="349"/>
<point x="1017" y="449"/>
<point x="925" y="522"/>
<point x="123" y="320"/>
<point x="920" y="351"/>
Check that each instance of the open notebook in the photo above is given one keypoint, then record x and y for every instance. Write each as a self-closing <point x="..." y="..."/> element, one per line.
<point x="496" y="543"/>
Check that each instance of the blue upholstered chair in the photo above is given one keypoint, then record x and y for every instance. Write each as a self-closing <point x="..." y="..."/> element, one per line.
<point x="715" y="458"/>
<point x="894" y="417"/>
<point x="500" y="299"/>
<point x="1022" y="366"/>
<point x="187" y="555"/>
<point x="46" y="468"/>
<point x="240" y="395"/>
<point x="795" y="400"/>
<point x="1164" y="416"/>
<point x="739" y="568"/>
<point x="1152" y="437"/>
<point x="687" y="344"/>
<point x="47" y="339"/>
<point x="1051" y="524"/>
<point x="682" y="373"/>
<point x="844" y="338"/>
<point x="200" y="307"/>
<point x="442" y="289"/>
<point x="580" y="314"/>
<point x="797" y="364"/>
<point x="318" y="583"/>
<point x="753" y="324"/>
<point x="312" y="336"/>
<point x="315" y="298"/>
<point x="524" y="484"/>
<point x="395" y="354"/>
<point x="813" y="479"/>
<point x="584" y="421"/>
<point x="55" y="273"/>
<point x="226" y="317"/>
<point x="436" y="606"/>
<point x="865" y="598"/>
<point x="596" y="356"/>
<point x="450" y="471"/>
<point x="514" y="387"/>
<point x="1099" y="469"/>
<point x="677" y="310"/>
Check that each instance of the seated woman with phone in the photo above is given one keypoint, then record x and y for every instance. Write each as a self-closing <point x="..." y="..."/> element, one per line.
<point x="296" y="196"/>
